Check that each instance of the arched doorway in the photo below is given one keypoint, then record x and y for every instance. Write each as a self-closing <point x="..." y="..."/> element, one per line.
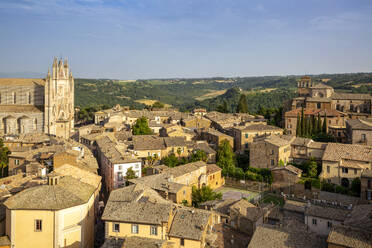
<point x="345" y="182"/>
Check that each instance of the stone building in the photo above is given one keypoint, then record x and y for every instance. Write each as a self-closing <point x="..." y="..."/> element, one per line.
<point x="366" y="187"/>
<point x="359" y="131"/>
<point x="38" y="105"/>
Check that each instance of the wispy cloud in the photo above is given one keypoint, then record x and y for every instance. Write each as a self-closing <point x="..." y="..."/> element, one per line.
<point x="344" y="21"/>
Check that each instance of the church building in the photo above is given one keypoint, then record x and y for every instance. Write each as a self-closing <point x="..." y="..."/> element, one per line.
<point x="38" y="105"/>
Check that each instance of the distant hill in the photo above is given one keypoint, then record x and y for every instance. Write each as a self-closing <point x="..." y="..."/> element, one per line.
<point x="186" y="94"/>
<point x="21" y="75"/>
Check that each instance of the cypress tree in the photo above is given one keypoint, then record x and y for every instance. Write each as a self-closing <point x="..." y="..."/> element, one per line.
<point x="306" y="132"/>
<point x="319" y="128"/>
<point x="298" y="125"/>
<point x="313" y="123"/>
<point x="325" y="123"/>
<point x="242" y="105"/>
<point x="303" y="128"/>
<point x="311" y="120"/>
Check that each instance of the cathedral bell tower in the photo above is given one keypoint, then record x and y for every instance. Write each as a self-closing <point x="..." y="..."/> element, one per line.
<point x="59" y="100"/>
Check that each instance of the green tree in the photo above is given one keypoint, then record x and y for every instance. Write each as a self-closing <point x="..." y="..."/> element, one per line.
<point x="298" y="126"/>
<point x="4" y="159"/>
<point x="242" y="105"/>
<point x="158" y="105"/>
<point x="203" y="194"/>
<point x="303" y="124"/>
<point x="179" y="151"/>
<point x="307" y="127"/>
<point x="223" y="108"/>
<point x="281" y="163"/>
<point x="312" y="170"/>
<point x="315" y="126"/>
<point x="141" y="127"/>
<point x="226" y="157"/>
<point x="311" y="126"/>
<point x="130" y="174"/>
<point x="171" y="160"/>
<point x="152" y="159"/>
<point x="319" y="129"/>
<point x="324" y="128"/>
<point x="355" y="187"/>
<point x="199" y="155"/>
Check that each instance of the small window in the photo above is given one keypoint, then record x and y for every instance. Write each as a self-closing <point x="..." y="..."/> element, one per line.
<point x="363" y="138"/>
<point x="314" y="222"/>
<point x="135" y="229"/>
<point x="38" y="225"/>
<point x="116" y="227"/>
<point x="329" y="224"/>
<point x="355" y="171"/>
<point x="272" y="152"/>
<point x="154" y="230"/>
<point x="184" y="192"/>
<point x="14" y="98"/>
<point x="182" y="242"/>
<point x="318" y="105"/>
<point x="272" y="161"/>
<point x="246" y="145"/>
<point x="345" y="170"/>
<point x="16" y="161"/>
<point x="328" y="169"/>
<point x="246" y="136"/>
<point x="369" y="183"/>
<point x="120" y="167"/>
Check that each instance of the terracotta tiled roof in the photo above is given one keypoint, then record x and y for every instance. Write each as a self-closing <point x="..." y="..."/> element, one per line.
<point x="326" y="212"/>
<point x="68" y="192"/>
<point x="22" y="81"/>
<point x="345" y="236"/>
<point x="212" y="168"/>
<point x="189" y="223"/>
<point x="337" y="152"/>
<point x="350" y="96"/>
<point x="292" y="235"/>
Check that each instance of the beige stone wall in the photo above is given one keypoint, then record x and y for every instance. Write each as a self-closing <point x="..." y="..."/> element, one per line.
<point x="266" y="155"/>
<point x="332" y="171"/>
<point x="358" y="106"/>
<point x="23" y="122"/>
<point x="126" y="230"/>
<point x="364" y="189"/>
<point x="22" y="94"/>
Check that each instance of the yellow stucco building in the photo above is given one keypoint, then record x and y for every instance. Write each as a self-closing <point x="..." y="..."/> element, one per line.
<point x="59" y="214"/>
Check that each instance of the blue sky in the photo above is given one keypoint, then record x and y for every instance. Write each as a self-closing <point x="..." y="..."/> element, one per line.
<point x="130" y="39"/>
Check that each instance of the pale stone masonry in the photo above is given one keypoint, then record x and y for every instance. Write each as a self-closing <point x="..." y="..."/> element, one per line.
<point x="38" y="105"/>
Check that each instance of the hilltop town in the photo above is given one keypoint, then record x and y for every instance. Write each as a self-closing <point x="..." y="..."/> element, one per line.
<point x="159" y="177"/>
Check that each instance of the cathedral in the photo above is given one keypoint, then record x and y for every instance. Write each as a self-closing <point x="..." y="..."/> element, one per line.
<point x="38" y="105"/>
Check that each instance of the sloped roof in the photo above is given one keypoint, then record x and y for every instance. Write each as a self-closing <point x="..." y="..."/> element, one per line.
<point x="22" y="81"/>
<point x="69" y="192"/>
<point x="148" y="142"/>
<point x="350" y="96"/>
<point x="293" y="235"/>
<point x="212" y="168"/>
<point x="186" y="168"/>
<point x="137" y="203"/>
<point x="325" y="212"/>
<point x="360" y="217"/>
<point x="351" y="237"/>
<point x="321" y="86"/>
<point x="360" y="124"/>
<point x="189" y="223"/>
<point x="337" y="152"/>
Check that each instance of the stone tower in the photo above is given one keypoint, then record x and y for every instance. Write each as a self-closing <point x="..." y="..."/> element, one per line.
<point x="304" y="85"/>
<point x="59" y="100"/>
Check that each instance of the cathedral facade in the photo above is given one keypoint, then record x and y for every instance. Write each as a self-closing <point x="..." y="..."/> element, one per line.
<point x="38" y="105"/>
